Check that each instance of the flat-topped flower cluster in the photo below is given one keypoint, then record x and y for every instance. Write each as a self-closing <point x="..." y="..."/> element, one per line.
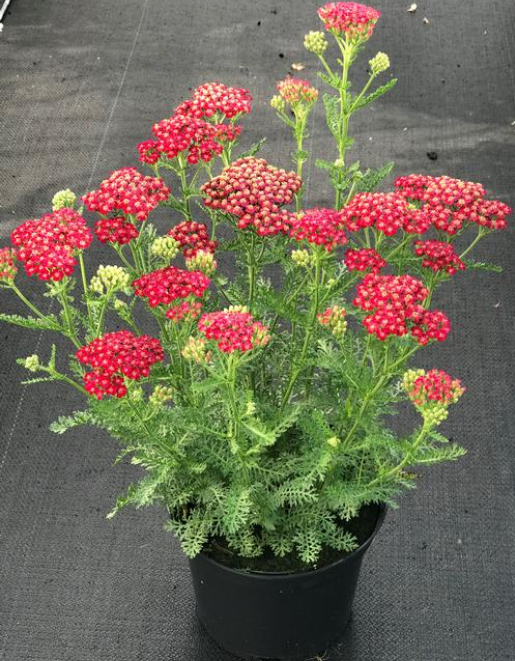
<point x="247" y="348"/>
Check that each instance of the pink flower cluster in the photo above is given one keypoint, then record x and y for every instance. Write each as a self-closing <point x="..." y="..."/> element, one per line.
<point x="115" y="230"/>
<point x="323" y="227"/>
<point x="114" y="356"/>
<point x="233" y="330"/>
<point x="352" y="19"/>
<point x="47" y="246"/>
<point x="435" y="386"/>
<point x="366" y="259"/>
<point x="192" y="237"/>
<point x="216" y="98"/>
<point x="185" y="310"/>
<point x="386" y="212"/>
<point x="164" y="286"/>
<point x="129" y="192"/>
<point x="451" y="203"/>
<point x="254" y="191"/>
<point x="295" y="90"/>
<point x="439" y="256"/>
<point x="395" y="305"/>
<point x="8" y="268"/>
<point x="187" y="130"/>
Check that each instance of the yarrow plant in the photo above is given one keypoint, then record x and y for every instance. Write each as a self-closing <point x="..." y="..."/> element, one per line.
<point x="258" y="408"/>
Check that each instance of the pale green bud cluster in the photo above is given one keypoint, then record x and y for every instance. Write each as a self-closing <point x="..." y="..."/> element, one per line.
<point x="160" y="395"/>
<point x="379" y="63"/>
<point x="409" y="378"/>
<point x="251" y="408"/>
<point x="302" y="258"/>
<point x="109" y="278"/>
<point x="278" y="103"/>
<point x="136" y="394"/>
<point x="315" y="42"/>
<point x="236" y="308"/>
<point x="32" y="363"/>
<point x="434" y="414"/>
<point x="63" y="199"/>
<point x="165" y="247"/>
<point x="334" y="441"/>
<point x="195" y="350"/>
<point x="120" y="306"/>
<point x="204" y="261"/>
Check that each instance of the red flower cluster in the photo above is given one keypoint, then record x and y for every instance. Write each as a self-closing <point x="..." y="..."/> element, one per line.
<point x="295" y="90"/>
<point x="395" y="301"/>
<point x="185" y="133"/>
<point x="47" y="245"/>
<point x="450" y="203"/>
<point x="363" y="260"/>
<point x="254" y="191"/>
<point x="186" y="310"/>
<point x="323" y="227"/>
<point x="8" y="268"/>
<point x="164" y="286"/>
<point x="216" y="98"/>
<point x="435" y="386"/>
<point x="233" y="330"/>
<point x="386" y="212"/>
<point x="115" y="230"/>
<point x="114" y="356"/>
<point x="439" y="256"/>
<point x="349" y="18"/>
<point x="128" y="191"/>
<point x="192" y="237"/>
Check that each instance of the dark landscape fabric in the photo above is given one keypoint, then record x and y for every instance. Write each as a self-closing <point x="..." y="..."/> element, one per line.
<point x="80" y="84"/>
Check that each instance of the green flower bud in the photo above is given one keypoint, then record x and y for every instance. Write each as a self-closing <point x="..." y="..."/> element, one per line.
<point x="315" y="42"/>
<point x="204" y="261"/>
<point x="160" y="395"/>
<point x="278" y="103"/>
<point x="379" y="63"/>
<point x="302" y="258"/>
<point x="109" y="278"/>
<point x="165" y="247"/>
<point x="334" y="441"/>
<point x="251" y="408"/>
<point x="32" y="363"/>
<point x="195" y="349"/>
<point x="63" y="199"/>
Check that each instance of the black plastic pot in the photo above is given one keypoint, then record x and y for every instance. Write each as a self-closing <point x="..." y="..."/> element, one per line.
<point x="277" y="615"/>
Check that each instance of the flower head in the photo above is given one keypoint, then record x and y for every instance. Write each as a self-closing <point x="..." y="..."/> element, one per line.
<point x="217" y="99"/>
<point x="117" y="355"/>
<point x="192" y="237"/>
<point x="322" y="227"/>
<point x="48" y="245"/>
<point x="115" y="230"/>
<point x="163" y="286"/>
<point x="334" y="318"/>
<point x="129" y="192"/>
<point x="196" y="350"/>
<point x="160" y="395"/>
<point x="202" y="261"/>
<point x="165" y="247"/>
<point x="349" y="19"/>
<point x="302" y="258"/>
<point x="432" y="392"/>
<point x="109" y="279"/>
<point x="63" y="199"/>
<point x="32" y="363"/>
<point x="8" y="268"/>
<point x="254" y="191"/>
<point x="184" y="311"/>
<point x="366" y="259"/>
<point x="429" y="325"/>
<point x="296" y="90"/>
<point x="233" y="330"/>
<point x="439" y="256"/>
<point x="386" y="212"/>
<point x="315" y="42"/>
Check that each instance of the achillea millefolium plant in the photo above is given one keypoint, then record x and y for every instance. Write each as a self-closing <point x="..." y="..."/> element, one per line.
<point x="259" y="408"/>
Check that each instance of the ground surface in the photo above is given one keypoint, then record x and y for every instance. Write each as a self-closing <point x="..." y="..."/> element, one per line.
<point x="82" y="82"/>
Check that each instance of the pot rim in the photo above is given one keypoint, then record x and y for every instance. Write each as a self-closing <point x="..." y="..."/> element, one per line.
<point x="297" y="575"/>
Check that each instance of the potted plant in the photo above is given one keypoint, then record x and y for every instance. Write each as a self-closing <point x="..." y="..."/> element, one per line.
<point x="256" y="395"/>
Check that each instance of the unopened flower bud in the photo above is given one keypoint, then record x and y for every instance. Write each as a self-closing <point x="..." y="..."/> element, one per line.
<point x="195" y="349"/>
<point x="109" y="278"/>
<point x="278" y="103"/>
<point x="203" y="261"/>
<point x="315" y="42"/>
<point x="334" y="441"/>
<point x="251" y="408"/>
<point x="339" y="163"/>
<point x="334" y="319"/>
<point x="165" y="247"/>
<point x="160" y="395"/>
<point x="32" y="363"/>
<point x="302" y="258"/>
<point x="63" y="199"/>
<point x="379" y="63"/>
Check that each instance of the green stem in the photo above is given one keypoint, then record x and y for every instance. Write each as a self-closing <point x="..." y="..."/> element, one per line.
<point x="85" y="288"/>
<point x="69" y="320"/>
<point x="479" y="236"/>
<point x="30" y="305"/>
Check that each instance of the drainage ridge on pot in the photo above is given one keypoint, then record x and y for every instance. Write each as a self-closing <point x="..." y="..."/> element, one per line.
<point x="278" y="614"/>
